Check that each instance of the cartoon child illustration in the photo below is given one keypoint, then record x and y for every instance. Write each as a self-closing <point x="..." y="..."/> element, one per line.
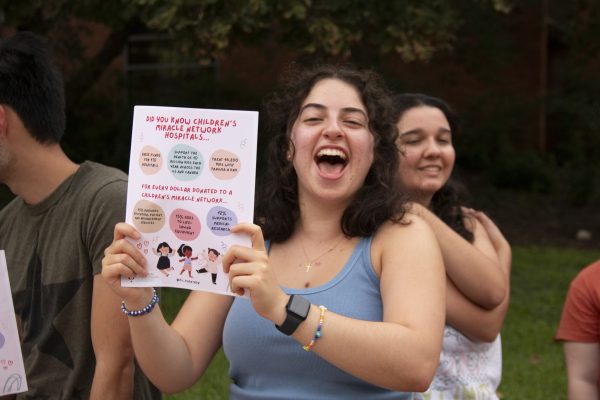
<point x="185" y="251"/>
<point x="163" y="251"/>
<point x="212" y="261"/>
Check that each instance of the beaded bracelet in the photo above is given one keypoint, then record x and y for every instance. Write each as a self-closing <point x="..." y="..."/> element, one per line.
<point x="318" y="331"/>
<point x="143" y="311"/>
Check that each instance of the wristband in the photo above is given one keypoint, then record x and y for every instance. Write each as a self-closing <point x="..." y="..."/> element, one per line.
<point x="143" y="311"/>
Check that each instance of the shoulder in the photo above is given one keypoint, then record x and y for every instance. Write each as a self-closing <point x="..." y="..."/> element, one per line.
<point x="411" y="227"/>
<point x="588" y="279"/>
<point x="99" y="173"/>
<point x="100" y="182"/>
<point x="99" y="193"/>
<point x="8" y="216"/>
<point x="12" y="205"/>
<point x="410" y="236"/>
<point x="584" y="290"/>
<point x="581" y="309"/>
<point x="591" y="272"/>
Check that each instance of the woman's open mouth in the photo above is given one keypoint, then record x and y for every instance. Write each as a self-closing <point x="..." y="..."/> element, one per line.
<point x="331" y="162"/>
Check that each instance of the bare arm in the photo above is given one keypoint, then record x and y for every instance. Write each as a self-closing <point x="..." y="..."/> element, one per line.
<point x="402" y="351"/>
<point x="467" y="317"/>
<point x="188" y="345"/>
<point x="113" y="377"/>
<point x="474" y="271"/>
<point x="582" y="369"/>
<point x="476" y="323"/>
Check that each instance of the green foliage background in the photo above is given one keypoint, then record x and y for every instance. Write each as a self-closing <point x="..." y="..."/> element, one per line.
<point x="480" y="55"/>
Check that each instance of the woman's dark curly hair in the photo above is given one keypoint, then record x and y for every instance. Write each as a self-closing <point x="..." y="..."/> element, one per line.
<point x="446" y="202"/>
<point x="378" y="200"/>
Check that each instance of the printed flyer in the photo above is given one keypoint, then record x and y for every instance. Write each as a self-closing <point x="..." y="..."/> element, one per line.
<point x="12" y="371"/>
<point x="191" y="177"/>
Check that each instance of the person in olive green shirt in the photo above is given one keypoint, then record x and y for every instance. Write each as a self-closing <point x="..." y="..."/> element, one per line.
<point x="75" y="341"/>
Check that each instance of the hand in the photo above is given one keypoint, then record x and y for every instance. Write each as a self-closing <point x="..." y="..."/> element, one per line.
<point x="496" y="237"/>
<point x="249" y="269"/>
<point x="122" y="259"/>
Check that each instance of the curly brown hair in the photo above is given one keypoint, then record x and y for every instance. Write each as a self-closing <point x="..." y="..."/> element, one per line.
<point x="378" y="200"/>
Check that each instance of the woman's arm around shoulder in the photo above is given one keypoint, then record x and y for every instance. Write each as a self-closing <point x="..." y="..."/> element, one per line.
<point x="475" y="270"/>
<point x="467" y="317"/>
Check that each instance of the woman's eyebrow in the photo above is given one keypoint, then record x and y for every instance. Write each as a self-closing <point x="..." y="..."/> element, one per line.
<point x="355" y="110"/>
<point x="415" y="131"/>
<point x="322" y="107"/>
<point x="345" y="110"/>
<point x="312" y="105"/>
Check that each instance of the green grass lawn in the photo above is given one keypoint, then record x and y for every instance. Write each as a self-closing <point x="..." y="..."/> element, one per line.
<point x="533" y="362"/>
<point x="214" y="383"/>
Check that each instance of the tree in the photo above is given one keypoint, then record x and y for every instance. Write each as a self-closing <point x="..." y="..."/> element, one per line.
<point x="204" y="29"/>
<point x="201" y="30"/>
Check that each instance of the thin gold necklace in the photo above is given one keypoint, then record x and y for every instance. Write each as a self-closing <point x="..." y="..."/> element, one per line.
<point x="314" y="262"/>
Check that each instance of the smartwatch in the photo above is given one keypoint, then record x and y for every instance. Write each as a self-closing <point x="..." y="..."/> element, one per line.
<point x="297" y="309"/>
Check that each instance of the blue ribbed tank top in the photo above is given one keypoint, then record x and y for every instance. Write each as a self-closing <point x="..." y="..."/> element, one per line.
<point x="266" y="364"/>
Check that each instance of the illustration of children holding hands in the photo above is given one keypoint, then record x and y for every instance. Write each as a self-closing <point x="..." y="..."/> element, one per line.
<point x="185" y="251"/>
<point x="212" y="261"/>
<point x="163" y="251"/>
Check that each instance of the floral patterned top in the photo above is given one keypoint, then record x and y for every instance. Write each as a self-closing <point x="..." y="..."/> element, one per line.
<point x="467" y="370"/>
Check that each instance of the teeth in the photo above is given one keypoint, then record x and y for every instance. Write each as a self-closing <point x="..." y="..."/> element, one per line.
<point x="332" y="153"/>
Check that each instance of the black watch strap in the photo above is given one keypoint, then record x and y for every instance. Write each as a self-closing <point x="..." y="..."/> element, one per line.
<point x="297" y="309"/>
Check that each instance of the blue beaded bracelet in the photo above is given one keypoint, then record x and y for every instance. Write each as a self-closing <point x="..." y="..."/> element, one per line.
<point x="143" y="311"/>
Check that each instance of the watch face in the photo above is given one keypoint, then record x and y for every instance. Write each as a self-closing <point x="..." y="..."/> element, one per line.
<point x="299" y="306"/>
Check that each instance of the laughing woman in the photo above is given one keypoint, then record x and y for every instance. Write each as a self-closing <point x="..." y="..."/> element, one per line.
<point x="477" y="257"/>
<point x="346" y="295"/>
